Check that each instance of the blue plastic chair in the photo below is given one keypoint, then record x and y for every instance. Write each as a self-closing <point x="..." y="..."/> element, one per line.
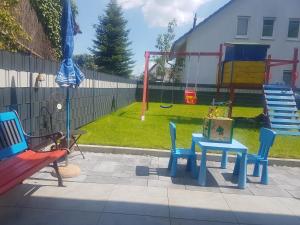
<point x="266" y="139"/>
<point x="177" y="153"/>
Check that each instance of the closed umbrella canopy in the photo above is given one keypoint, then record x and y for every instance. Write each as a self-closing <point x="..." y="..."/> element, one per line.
<point x="69" y="74"/>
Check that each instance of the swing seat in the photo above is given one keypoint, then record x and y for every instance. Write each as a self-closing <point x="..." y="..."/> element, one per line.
<point x="190" y="97"/>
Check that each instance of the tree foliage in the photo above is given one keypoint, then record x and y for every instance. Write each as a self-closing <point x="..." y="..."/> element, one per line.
<point x="49" y="13"/>
<point x="85" y="61"/>
<point x="11" y="32"/>
<point x="163" y="44"/>
<point x="111" y="45"/>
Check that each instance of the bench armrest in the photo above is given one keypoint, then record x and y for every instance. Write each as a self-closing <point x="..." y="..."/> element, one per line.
<point x="54" y="137"/>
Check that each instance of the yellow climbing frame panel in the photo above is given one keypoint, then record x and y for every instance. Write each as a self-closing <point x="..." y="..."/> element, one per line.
<point x="244" y="72"/>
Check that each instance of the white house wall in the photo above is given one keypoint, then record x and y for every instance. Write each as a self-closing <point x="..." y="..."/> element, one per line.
<point x="221" y="28"/>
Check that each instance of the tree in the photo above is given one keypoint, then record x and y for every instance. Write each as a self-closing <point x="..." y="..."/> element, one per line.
<point x="111" y="46"/>
<point x="163" y="44"/>
<point x="85" y="61"/>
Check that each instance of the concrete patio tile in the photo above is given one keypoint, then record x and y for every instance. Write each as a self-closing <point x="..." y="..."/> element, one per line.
<point x="269" y="190"/>
<point x="121" y="219"/>
<point x="16" y="195"/>
<point x="27" y="216"/>
<point x="295" y="194"/>
<point x="197" y="222"/>
<point x="75" y="196"/>
<point x="149" y="201"/>
<point x="106" y="167"/>
<point x="235" y="190"/>
<point x="196" y="187"/>
<point x="165" y="184"/>
<point x="260" y="210"/>
<point x="8" y="215"/>
<point x="289" y="187"/>
<point x="199" y="205"/>
<point x="292" y="204"/>
<point x="102" y="179"/>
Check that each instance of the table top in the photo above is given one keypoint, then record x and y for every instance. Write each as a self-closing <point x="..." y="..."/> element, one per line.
<point x="202" y="142"/>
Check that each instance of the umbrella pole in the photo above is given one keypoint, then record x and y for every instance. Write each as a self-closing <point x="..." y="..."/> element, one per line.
<point x="68" y="122"/>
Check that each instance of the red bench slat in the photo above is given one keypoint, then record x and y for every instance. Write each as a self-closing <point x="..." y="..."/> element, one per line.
<point x="18" y="168"/>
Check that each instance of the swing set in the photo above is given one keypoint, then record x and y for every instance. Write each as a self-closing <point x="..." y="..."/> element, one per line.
<point x="190" y="94"/>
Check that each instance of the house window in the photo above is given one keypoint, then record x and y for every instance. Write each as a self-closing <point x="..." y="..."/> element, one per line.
<point x="287" y="77"/>
<point x="268" y="27"/>
<point x="294" y="28"/>
<point x="242" y="26"/>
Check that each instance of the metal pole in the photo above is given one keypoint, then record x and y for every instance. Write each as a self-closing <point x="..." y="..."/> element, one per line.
<point x="294" y="71"/>
<point x="145" y="86"/>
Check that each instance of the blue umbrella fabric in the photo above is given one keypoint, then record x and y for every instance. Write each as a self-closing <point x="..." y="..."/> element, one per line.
<point x="69" y="75"/>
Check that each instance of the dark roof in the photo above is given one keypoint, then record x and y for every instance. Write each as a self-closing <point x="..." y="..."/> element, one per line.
<point x="246" y="44"/>
<point x="201" y="23"/>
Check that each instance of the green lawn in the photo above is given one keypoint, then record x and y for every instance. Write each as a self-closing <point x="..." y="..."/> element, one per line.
<point x="124" y="128"/>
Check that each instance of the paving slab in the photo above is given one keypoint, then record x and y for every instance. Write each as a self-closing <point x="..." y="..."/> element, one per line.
<point x="75" y="196"/>
<point x="122" y="219"/>
<point x="149" y="201"/>
<point x="133" y="189"/>
<point x="197" y="222"/>
<point x="260" y="210"/>
<point x="28" y="216"/>
<point x="199" y="205"/>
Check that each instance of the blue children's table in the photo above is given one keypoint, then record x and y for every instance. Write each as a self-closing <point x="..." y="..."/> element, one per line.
<point x="235" y="146"/>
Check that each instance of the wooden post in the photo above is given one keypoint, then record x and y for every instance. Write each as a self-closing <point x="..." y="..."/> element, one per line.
<point x="232" y="96"/>
<point x="219" y="70"/>
<point x="294" y="70"/>
<point x="268" y="69"/>
<point x="145" y="86"/>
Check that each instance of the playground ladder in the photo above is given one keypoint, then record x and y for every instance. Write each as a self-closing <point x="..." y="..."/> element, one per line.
<point x="281" y="109"/>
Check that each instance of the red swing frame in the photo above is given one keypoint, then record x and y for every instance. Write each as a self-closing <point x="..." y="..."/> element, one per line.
<point x="145" y="103"/>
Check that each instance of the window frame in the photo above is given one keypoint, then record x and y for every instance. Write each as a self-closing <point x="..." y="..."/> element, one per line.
<point x="293" y="38"/>
<point x="263" y="28"/>
<point x="245" y="36"/>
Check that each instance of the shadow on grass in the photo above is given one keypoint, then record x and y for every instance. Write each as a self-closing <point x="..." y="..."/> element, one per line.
<point x="239" y="122"/>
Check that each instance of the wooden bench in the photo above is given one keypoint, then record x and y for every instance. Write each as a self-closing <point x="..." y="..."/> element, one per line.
<point x="17" y="161"/>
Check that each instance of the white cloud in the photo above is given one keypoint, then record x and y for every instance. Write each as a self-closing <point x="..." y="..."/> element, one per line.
<point x="159" y="12"/>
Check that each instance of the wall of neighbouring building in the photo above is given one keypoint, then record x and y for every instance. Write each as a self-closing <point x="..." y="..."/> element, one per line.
<point x="222" y="26"/>
<point x="98" y="95"/>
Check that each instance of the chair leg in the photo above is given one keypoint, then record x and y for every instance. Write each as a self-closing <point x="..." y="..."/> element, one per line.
<point x="174" y="167"/>
<point x="188" y="164"/>
<point x="59" y="178"/>
<point x="194" y="166"/>
<point x="256" y="171"/>
<point x="237" y="165"/>
<point x="264" y="176"/>
<point x="224" y="159"/>
<point x="170" y="162"/>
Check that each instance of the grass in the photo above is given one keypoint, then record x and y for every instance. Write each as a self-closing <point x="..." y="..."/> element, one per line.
<point x="124" y="128"/>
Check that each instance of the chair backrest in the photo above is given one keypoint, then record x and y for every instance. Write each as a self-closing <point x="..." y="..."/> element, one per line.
<point x="266" y="139"/>
<point x="173" y="135"/>
<point x="12" y="139"/>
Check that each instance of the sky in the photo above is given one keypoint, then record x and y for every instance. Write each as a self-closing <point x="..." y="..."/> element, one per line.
<point x="146" y="20"/>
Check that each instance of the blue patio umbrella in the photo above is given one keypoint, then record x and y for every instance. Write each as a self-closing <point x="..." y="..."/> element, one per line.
<point x="69" y="75"/>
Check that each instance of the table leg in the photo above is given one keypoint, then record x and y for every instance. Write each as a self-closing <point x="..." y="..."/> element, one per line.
<point x="193" y="146"/>
<point x="243" y="172"/>
<point x="224" y="160"/>
<point x="202" y="170"/>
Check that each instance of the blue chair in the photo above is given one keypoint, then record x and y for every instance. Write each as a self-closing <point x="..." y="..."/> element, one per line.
<point x="177" y="153"/>
<point x="266" y="140"/>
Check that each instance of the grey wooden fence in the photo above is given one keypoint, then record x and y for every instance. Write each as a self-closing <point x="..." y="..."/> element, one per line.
<point x="35" y="99"/>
